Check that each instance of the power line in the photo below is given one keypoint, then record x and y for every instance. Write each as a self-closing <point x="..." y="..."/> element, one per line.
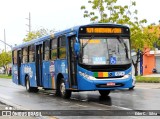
<point x="6" y="43"/>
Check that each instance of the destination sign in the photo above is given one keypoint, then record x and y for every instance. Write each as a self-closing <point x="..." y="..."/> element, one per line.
<point x="104" y="30"/>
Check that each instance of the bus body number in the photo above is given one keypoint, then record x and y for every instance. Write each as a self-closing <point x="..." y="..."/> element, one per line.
<point x="122" y="73"/>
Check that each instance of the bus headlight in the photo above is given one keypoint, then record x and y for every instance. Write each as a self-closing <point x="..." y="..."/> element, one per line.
<point x="127" y="75"/>
<point x="87" y="76"/>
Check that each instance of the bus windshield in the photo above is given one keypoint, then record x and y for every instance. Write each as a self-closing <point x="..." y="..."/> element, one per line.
<point x="105" y="51"/>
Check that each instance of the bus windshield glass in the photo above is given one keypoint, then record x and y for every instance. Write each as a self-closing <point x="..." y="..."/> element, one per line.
<point x="104" y="51"/>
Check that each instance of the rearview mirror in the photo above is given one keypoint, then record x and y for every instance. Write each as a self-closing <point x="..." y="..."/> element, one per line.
<point x="76" y="48"/>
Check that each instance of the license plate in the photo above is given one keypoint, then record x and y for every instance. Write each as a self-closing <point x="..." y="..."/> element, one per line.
<point x="111" y="84"/>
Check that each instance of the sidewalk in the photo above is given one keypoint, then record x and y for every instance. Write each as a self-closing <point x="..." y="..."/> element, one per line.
<point x="148" y="85"/>
<point x="152" y="75"/>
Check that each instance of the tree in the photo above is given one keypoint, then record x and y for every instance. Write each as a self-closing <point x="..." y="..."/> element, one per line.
<point x="110" y="11"/>
<point x="5" y="59"/>
<point x="148" y="37"/>
<point x="37" y="34"/>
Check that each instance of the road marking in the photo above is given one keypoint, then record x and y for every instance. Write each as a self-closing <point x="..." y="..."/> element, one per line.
<point x="124" y="108"/>
<point x="5" y="97"/>
<point x="147" y="88"/>
<point x="81" y="105"/>
<point x="77" y="105"/>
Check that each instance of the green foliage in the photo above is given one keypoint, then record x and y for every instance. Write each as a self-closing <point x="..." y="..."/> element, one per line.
<point x="147" y="79"/>
<point x="31" y="35"/>
<point x="4" y="76"/>
<point x="5" y="59"/>
<point x="37" y="34"/>
<point x="109" y="11"/>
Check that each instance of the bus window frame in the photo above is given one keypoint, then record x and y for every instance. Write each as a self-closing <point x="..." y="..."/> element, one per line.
<point x="33" y="53"/>
<point x="27" y="55"/>
<point x="14" y="58"/>
<point x="54" y="48"/>
<point x="60" y="46"/>
<point x="46" y="50"/>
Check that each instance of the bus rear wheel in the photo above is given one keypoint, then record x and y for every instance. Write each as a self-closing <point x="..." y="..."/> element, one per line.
<point x="104" y="93"/>
<point x="29" y="88"/>
<point x="62" y="90"/>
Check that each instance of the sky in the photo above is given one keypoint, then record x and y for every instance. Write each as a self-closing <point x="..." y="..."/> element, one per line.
<point x="54" y="14"/>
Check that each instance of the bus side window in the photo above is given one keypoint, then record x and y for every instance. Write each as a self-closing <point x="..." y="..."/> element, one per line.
<point x="73" y="40"/>
<point x="31" y="53"/>
<point x="62" y="47"/>
<point x="14" y="57"/>
<point x="25" y="55"/>
<point x="53" y="49"/>
<point x="46" y="50"/>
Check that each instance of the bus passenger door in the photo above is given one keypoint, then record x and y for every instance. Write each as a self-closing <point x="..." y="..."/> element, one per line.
<point x="19" y="65"/>
<point x="72" y="63"/>
<point x="39" y="64"/>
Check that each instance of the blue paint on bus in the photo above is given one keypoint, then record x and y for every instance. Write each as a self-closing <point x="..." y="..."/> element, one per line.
<point x="49" y="60"/>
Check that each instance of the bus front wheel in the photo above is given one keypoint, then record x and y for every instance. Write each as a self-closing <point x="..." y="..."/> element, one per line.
<point x="29" y="88"/>
<point x="62" y="90"/>
<point x="104" y="93"/>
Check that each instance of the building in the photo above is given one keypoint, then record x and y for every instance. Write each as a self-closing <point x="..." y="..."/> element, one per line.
<point x="151" y="60"/>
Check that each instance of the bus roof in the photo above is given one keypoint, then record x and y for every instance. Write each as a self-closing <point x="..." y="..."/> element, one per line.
<point x="56" y="34"/>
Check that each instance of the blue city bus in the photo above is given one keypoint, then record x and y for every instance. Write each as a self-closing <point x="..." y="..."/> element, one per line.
<point x="83" y="58"/>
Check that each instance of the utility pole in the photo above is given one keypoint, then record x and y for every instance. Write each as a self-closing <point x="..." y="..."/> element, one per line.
<point x="29" y="23"/>
<point x="4" y="40"/>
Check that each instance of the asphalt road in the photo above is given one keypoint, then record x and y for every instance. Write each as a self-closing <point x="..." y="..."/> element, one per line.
<point x="143" y="97"/>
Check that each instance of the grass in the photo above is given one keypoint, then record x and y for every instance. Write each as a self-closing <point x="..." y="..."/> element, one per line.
<point x="5" y="76"/>
<point x="147" y="79"/>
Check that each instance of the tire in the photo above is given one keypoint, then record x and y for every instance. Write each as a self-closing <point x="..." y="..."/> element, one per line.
<point x="35" y="89"/>
<point x="104" y="93"/>
<point x="62" y="92"/>
<point x="29" y="88"/>
<point x="131" y="88"/>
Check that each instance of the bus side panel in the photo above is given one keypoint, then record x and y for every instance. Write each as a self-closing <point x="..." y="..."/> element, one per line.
<point x="52" y="75"/>
<point x="15" y="74"/>
<point x="62" y="68"/>
<point x="46" y="74"/>
<point x="30" y="70"/>
<point x="23" y="74"/>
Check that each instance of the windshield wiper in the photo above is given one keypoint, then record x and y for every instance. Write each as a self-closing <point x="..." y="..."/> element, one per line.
<point x="121" y="41"/>
<point x="86" y="43"/>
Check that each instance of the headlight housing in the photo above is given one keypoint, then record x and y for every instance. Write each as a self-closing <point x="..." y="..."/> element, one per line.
<point x="127" y="75"/>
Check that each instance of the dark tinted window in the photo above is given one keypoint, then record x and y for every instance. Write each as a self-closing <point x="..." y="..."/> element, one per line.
<point x="46" y="50"/>
<point x="62" y="47"/>
<point x="31" y="53"/>
<point x="25" y="55"/>
<point x="53" y="49"/>
<point x="15" y="57"/>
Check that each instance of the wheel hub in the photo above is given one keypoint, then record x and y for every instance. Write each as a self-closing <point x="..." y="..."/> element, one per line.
<point x="62" y="88"/>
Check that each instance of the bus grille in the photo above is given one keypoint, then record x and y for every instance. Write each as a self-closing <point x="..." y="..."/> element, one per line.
<point x="105" y="86"/>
